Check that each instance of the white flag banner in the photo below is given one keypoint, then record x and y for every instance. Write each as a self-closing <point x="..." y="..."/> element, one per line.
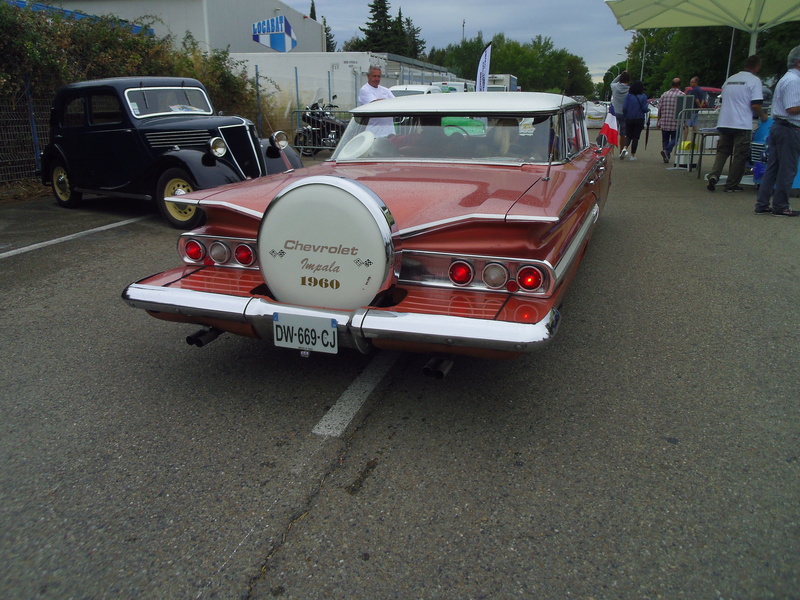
<point x="482" y="79"/>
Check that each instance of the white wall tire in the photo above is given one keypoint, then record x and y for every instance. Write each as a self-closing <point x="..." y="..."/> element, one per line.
<point x="327" y="242"/>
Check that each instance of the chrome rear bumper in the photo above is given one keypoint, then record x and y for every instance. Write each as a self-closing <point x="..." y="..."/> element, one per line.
<point x="356" y="329"/>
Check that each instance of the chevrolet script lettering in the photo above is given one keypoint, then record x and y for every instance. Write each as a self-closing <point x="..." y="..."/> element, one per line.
<point x="340" y="249"/>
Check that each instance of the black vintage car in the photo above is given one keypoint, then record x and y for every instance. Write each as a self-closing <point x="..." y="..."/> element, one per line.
<point x="152" y="138"/>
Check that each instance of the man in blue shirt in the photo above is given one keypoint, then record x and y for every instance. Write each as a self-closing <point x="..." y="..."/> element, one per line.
<point x="784" y="143"/>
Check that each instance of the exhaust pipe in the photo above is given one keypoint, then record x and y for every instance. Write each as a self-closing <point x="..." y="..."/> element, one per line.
<point x="203" y="337"/>
<point x="438" y="367"/>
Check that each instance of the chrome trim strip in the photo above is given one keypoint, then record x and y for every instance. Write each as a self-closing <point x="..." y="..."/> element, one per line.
<point x="566" y="260"/>
<point x="181" y="200"/>
<point x="355" y="329"/>
<point x="527" y="219"/>
<point x="433" y="225"/>
<point x="425" y="227"/>
<point x="227" y="238"/>
<point x="234" y="207"/>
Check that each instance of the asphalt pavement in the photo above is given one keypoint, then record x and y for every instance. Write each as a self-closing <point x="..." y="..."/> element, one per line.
<point x="652" y="451"/>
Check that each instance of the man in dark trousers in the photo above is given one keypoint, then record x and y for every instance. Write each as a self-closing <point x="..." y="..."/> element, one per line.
<point x="784" y="143"/>
<point x="741" y="102"/>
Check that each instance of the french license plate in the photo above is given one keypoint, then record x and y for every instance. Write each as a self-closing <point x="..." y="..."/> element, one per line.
<point x="317" y="334"/>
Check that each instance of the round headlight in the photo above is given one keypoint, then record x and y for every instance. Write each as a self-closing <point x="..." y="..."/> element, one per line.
<point x="217" y="147"/>
<point x="281" y="139"/>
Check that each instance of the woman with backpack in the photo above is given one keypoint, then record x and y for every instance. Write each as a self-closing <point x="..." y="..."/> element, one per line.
<point x="635" y="110"/>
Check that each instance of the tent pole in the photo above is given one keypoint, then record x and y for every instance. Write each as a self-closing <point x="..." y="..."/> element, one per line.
<point x="730" y="53"/>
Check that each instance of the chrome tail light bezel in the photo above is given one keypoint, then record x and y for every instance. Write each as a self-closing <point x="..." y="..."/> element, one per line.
<point x="433" y="269"/>
<point x="219" y="251"/>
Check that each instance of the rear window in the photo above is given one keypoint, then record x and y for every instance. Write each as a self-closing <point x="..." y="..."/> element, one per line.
<point x="74" y="113"/>
<point x="104" y="109"/>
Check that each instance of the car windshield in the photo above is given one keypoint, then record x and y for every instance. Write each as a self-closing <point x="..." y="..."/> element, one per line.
<point x="150" y="102"/>
<point x="505" y="139"/>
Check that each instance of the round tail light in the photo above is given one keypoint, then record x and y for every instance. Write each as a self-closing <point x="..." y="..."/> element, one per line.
<point x="530" y="278"/>
<point x="194" y="250"/>
<point x="244" y="255"/>
<point x="461" y="273"/>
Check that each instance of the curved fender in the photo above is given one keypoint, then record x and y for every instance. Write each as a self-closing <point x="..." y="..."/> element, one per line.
<point x="206" y="171"/>
<point x="47" y="158"/>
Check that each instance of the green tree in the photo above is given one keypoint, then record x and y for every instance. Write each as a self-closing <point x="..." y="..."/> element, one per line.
<point x="379" y="33"/>
<point x="330" y="43"/>
<point x="384" y="34"/>
<point x="538" y="65"/>
<point x="711" y="53"/>
<point x="312" y="12"/>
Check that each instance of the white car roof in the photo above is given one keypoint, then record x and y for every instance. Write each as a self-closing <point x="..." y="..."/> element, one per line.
<point x="472" y="103"/>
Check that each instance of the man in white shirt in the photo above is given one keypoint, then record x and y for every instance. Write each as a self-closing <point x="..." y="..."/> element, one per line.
<point x="371" y="92"/>
<point x="742" y="96"/>
<point x="784" y="143"/>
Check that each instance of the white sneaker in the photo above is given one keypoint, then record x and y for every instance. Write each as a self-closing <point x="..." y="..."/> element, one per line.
<point x="623" y="154"/>
<point x="633" y="158"/>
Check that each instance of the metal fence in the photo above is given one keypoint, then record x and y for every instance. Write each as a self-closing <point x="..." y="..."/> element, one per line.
<point x="24" y="131"/>
<point x="317" y="130"/>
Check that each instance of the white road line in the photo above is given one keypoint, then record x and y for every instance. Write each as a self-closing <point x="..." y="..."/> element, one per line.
<point x="339" y="416"/>
<point x="67" y="238"/>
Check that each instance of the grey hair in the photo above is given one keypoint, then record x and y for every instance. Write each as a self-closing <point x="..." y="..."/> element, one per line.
<point x="794" y="56"/>
<point x="375" y="68"/>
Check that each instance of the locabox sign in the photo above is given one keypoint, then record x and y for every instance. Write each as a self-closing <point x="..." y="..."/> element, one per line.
<point x="275" y="33"/>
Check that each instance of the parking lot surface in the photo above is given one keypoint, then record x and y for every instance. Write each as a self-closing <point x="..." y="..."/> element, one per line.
<point x="652" y="451"/>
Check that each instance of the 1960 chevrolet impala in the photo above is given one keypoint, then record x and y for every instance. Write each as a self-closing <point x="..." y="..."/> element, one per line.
<point x="444" y="224"/>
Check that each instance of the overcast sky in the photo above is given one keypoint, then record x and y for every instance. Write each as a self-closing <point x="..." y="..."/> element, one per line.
<point x="586" y="28"/>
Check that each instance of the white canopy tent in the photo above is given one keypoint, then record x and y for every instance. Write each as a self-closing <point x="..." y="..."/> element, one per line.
<point x="752" y="16"/>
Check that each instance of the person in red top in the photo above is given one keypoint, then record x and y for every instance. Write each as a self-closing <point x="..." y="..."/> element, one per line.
<point x="668" y="119"/>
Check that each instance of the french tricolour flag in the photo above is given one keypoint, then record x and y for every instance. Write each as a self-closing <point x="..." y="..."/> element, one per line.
<point x="610" y="129"/>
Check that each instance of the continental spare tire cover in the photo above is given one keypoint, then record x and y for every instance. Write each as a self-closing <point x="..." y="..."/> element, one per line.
<point x="327" y="241"/>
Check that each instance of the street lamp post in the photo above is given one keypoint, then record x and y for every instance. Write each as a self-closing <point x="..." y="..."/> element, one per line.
<point x="641" y="75"/>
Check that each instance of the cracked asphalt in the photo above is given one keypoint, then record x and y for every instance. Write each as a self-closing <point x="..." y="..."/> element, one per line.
<point x="652" y="451"/>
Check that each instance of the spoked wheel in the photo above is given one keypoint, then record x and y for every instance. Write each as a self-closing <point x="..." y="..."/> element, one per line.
<point x="64" y="194"/>
<point x="175" y="182"/>
<point x="304" y="143"/>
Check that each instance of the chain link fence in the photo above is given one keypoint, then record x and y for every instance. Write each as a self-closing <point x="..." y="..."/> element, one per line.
<point x="24" y="131"/>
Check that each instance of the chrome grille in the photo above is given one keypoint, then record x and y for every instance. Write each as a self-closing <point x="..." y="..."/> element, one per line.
<point x="243" y="147"/>
<point x="168" y="139"/>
